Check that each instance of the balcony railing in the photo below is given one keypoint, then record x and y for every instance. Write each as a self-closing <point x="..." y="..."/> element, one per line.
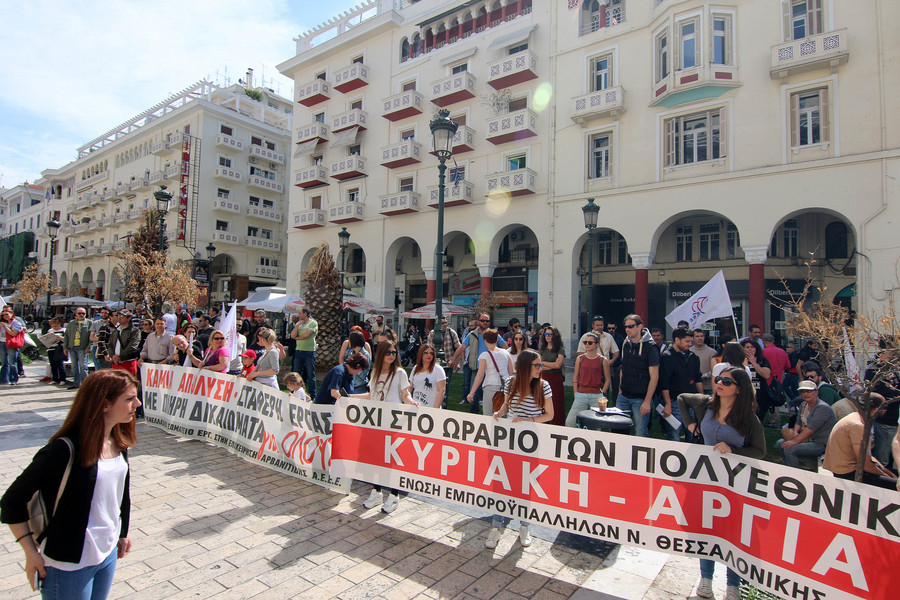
<point x="265" y="153"/>
<point x="226" y="204"/>
<point x="314" y="176"/>
<point x="269" y="214"/>
<point x="121" y="190"/>
<point x="139" y="185"/>
<point x="269" y="272"/>
<point x="407" y="152"/>
<point x="120" y="245"/>
<point x="89" y="181"/>
<point x="227" y="173"/>
<point x="156" y="177"/>
<point x="599" y="104"/>
<point x="308" y="219"/>
<point x="265" y="183"/>
<point x="453" y="89"/>
<point x="513" y="69"/>
<point x="226" y="237"/>
<point x="172" y="171"/>
<point x="346" y="212"/>
<point x="229" y="141"/>
<point x="512" y="126"/>
<point x="350" y="78"/>
<point x="314" y="92"/>
<point x="134" y="213"/>
<point x="399" y="203"/>
<point x="816" y="51"/>
<point x="80" y="253"/>
<point x="93" y="225"/>
<point x="108" y="194"/>
<point x="80" y="228"/>
<point x="258" y="242"/>
<point x="312" y="131"/>
<point x="81" y="202"/>
<point x="464" y="140"/>
<point x="403" y="105"/>
<point x="515" y="183"/>
<point x="348" y="168"/>
<point x="106" y="221"/>
<point x="120" y="217"/>
<point x="454" y="195"/>
<point x="519" y="255"/>
<point x="351" y="118"/>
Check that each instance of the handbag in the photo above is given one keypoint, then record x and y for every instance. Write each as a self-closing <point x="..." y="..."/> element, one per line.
<point x="777" y="397"/>
<point x="38" y="517"/>
<point x="499" y="396"/>
<point x="15" y="341"/>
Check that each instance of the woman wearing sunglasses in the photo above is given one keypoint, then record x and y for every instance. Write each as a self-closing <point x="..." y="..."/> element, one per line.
<point x="591" y="378"/>
<point x="518" y="343"/>
<point x="728" y="422"/>
<point x="428" y="379"/>
<point x="216" y="356"/>
<point x="553" y="356"/>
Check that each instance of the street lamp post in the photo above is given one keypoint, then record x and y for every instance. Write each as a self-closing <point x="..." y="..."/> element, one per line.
<point x="591" y="211"/>
<point x="343" y="242"/>
<point x="210" y="255"/>
<point x="163" y="200"/>
<point x="443" y="128"/>
<point x="53" y="231"/>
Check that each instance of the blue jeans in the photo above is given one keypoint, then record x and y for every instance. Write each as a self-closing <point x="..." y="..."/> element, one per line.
<point x="77" y="357"/>
<point x="89" y="583"/>
<point x="9" y="372"/>
<point x="884" y="435"/>
<point x="468" y="376"/>
<point x="708" y="566"/>
<point x="792" y="455"/>
<point x="641" y="424"/>
<point x="305" y="366"/>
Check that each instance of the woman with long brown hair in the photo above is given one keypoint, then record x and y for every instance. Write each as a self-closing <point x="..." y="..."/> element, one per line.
<point x="528" y="399"/>
<point x="428" y="379"/>
<point x="75" y="556"/>
<point x="553" y="356"/>
<point x="728" y="423"/>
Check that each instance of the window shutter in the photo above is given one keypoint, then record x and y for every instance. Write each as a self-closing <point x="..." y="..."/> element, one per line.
<point x="786" y="19"/>
<point x="729" y="42"/>
<point x="676" y="48"/>
<point x="795" y="120"/>
<point x="711" y="39"/>
<point x="824" y="118"/>
<point x="723" y="135"/>
<point x="670" y="142"/>
<point x="814" y="17"/>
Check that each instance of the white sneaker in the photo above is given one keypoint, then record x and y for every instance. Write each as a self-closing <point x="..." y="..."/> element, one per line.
<point x="704" y="588"/>
<point x="732" y="592"/>
<point x="391" y="504"/>
<point x="373" y="500"/>
<point x="524" y="536"/>
<point x="492" y="538"/>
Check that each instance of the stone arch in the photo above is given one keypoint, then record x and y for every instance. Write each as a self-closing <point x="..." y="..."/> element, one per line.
<point x="403" y="269"/>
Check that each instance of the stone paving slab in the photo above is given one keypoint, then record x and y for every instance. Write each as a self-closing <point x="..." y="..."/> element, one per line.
<point x="208" y="524"/>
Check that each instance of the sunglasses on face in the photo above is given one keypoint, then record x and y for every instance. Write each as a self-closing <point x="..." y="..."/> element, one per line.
<point x="219" y="337"/>
<point x="537" y="366"/>
<point x="484" y="320"/>
<point x="391" y="353"/>
<point x="548" y="334"/>
<point x="631" y="326"/>
<point x="726" y="381"/>
<point x="590" y="343"/>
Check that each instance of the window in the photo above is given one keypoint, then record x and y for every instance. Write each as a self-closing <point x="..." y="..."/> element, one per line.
<point x="599" y="153"/>
<point x="694" y="138"/>
<point x="354" y="150"/>
<point x="518" y="48"/>
<point x="791" y="236"/>
<point x="223" y="193"/>
<point x="805" y="18"/>
<point x="356" y="105"/>
<point x="226" y="130"/>
<point x="604" y="248"/>
<point x="319" y="117"/>
<point x="262" y="173"/>
<point x="253" y="201"/>
<point x="409" y="134"/>
<point x="836" y="240"/>
<point x="321" y="75"/>
<point x="404" y="50"/>
<point x="662" y="56"/>
<point x="624" y="257"/>
<point x="224" y="161"/>
<point x="709" y="241"/>
<point x="268" y="204"/>
<point x="732" y="241"/>
<point x="265" y="261"/>
<point x="221" y="225"/>
<point x="601" y="73"/>
<point x="406" y="184"/>
<point x="457" y="173"/>
<point x="809" y="117"/>
<point x="460" y="68"/>
<point x="252" y="231"/>
<point x="409" y="86"/>
<point x="689" y="44"/>
<point x="315" y="203"/>
<point x="357" y="60"/>
<point x="515" y="162"/>
<point x="517" y="104"/>
<point x="255" y="140"/>
<point x="318" y="160"/>
<point x="266" y="234"/>
<point x="353" y="195"/>
<point x="684" y="243"/>
<point x="460" y="119"/>
<point x="270" y="145"/>
<point x="721" y="40"/>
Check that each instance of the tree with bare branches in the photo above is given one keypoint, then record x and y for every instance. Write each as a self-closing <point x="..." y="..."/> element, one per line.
<point x="153" y="277"/>
<point x="34" y="285"/>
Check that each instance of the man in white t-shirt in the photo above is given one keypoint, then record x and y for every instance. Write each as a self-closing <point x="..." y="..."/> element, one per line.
<point x="705" y="353"/>
<point x="493" y="366"/>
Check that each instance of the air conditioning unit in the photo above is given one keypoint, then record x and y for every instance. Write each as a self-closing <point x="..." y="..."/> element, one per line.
<point x="253" y="160"/>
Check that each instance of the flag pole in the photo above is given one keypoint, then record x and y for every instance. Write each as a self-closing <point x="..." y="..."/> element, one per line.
<point x="737" y="334"/>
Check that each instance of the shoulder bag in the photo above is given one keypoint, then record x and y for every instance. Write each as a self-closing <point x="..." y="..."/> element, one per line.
<point x="38" y="516"/>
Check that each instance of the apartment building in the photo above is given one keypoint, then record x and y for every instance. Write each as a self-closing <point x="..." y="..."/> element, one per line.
<point x="21" y="212"/>
<point x="221" y="152"/>
<point x="745" y="136"/>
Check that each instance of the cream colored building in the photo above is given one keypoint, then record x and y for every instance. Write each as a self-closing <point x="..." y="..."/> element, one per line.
<point x="743" y="136"/>
<point x="223" y="156"/>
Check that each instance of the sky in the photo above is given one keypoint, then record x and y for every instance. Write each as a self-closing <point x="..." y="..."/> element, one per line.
<point x="73" y="70"/>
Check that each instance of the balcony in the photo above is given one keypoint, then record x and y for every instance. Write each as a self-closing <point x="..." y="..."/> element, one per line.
<point x="172" y="172"/>
<point x="120" y="245"/>
<point x="513" y="69"/>
<point x="407" y="152"/>
<point x="120" y="217"/>
<point x="262" y="243"/>
<point x="156" y="177"/>
<point x="97" y="178"/>
<point x="313" y="93"/>
<point x="399" y="203"/>
<point x="309" y="219"/>
<point x="512" y="126"/>
<point x="160" y="148"/>
<point x="454" y="195"/>
<point x="464" y="140"/>
<point x="226" y="204"/>
<point x="81" y="202"/>
<point x="105" y="249"/>
<point x="134" y="213"/>
<point x="139" y="185"/>
<point x="121" y="190"/>
<point x="268" y="272"/>
<point x="227" y="173"/>
<point x="229" y="141"/>
<point x="93" y="225"/>
<point x="265" y="153"/>
<point x="267" y="214"/>
<point x="313" y="131"/>
<point x="67" y="256"/>
<point x="226" y="237"/>
<point x="402" y="105"/>
<point x="346" y="212"/>
<point x="685" y="85"/>
<point x="814" y="52"/>
<point x="351" y="118"/>
<point x="528" y="256"/>
<point x="350" y="78"/>
<point x="97" y="199"/>
<point x="311" y="177"/>
<point x="516" y="183"/>
<point x="597" y="105"/>
<point x="80" y="253"/>
<point x="80" y="228"/>
<point x="453" y="89"/>
<point x="106" y="221"/>
<point x="108" y="194"/>
<point x="348" y="168"/>
<point x="265" y="184"/>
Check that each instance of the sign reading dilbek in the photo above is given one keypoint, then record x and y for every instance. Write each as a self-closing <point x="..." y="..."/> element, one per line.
<point x="256" y="422"/>
<point x="795" y="533"/>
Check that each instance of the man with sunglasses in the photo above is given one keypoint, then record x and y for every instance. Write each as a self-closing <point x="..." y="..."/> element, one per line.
<point x="77" y="338"/>
<point x="640" y="374"/>
<point x="827" y="392"/>
<point x="809" y="436"/>
<point x="484" y="323"/>
<point x="158" y="348"/>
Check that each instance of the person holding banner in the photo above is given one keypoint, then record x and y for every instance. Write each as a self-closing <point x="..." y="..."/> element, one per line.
<point x="216" y="356"/>
<point x="528" y="399"/>
<point x="356" y="344"/>
<point x="124" y="344"/>
<point x="267" y="365"/>
<point x="339" y="380"/>
<point x="728" y="423"/>
<point x="428" y="380"/>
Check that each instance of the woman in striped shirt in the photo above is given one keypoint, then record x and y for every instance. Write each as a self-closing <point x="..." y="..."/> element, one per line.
<point x="528" y="398"/>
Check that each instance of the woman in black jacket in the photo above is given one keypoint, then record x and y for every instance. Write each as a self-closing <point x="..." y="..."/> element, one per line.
<point x="76" y="554"/>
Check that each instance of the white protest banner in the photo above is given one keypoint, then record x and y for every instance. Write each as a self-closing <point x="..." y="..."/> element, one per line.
<point x="710" y="302"/>
<point x="256" y="422"/>
<point x="794" y="533"/>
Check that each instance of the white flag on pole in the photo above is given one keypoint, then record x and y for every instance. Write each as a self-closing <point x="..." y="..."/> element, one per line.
<point x="710" y="302"/>
<point x="850" y="365"/>
<point x="228" y="326"/>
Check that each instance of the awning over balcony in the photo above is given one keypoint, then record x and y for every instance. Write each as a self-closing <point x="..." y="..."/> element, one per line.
<point x="508" y="39"/>
<point x="345" y="138"/>
<point x="305" y="148"/>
